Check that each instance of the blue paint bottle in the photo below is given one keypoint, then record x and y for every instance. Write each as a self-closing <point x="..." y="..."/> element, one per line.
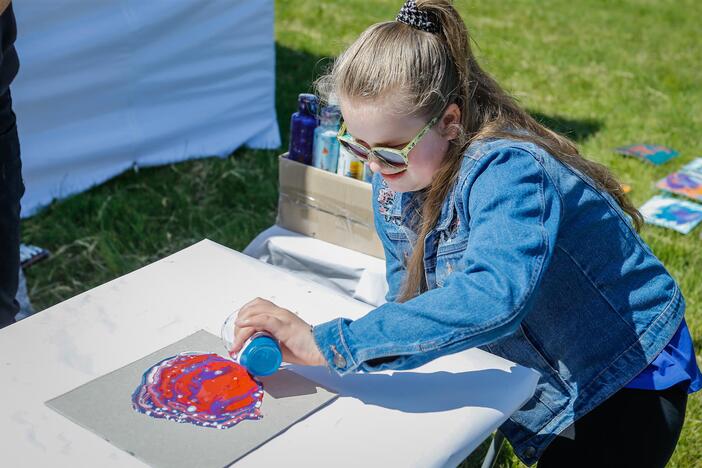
<point x="302" y="125"/>
<point x="260" y="354"/>
<point x="326" y="146"/>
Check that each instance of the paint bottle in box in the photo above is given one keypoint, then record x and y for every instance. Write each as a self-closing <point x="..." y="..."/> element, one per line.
<point x="302" y="125"/>
<point x="326" y="146"/>
<point x="349" y="165"/>
<point x="354" y="168"/>
<point x="343" y="157"/>
<point x="260" y="354"/>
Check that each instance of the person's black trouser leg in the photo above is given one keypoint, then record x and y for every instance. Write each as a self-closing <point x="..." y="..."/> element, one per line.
<point x="633" y="428"/>
<point x="11" y="191"/>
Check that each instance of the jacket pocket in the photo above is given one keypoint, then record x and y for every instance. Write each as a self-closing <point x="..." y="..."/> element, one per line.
<point x="551" y="396"/>
<point x="449" y="259"/>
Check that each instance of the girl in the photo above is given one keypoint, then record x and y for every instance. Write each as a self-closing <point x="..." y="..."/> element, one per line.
<point x="498" y="234"/>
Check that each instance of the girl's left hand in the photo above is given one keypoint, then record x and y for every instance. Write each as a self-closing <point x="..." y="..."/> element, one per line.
<point x="294" y="334"/>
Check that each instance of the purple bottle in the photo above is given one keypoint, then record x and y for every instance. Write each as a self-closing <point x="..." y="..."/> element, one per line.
<point x="302" y="125"/>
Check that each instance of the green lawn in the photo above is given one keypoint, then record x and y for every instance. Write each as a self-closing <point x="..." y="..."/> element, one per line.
<point x="607" y="73"/>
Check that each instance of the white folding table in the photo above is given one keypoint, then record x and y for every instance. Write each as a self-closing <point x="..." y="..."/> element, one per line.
<point x="434" y="415"/>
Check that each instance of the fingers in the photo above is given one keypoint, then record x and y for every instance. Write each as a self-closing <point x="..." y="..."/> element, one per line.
<point x="252" y="302"/>
<point x="240" y="337"/>
<point x="263" y="321"/>
<point x="251" y="307"/>
<point x="254" y="323"/>
<point x="260" y="314"/>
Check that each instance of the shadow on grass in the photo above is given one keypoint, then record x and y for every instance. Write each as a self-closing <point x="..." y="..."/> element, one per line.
<point x="577" y="130"/>
<point x="505" y="458"/>
<point x="296" y="71"/>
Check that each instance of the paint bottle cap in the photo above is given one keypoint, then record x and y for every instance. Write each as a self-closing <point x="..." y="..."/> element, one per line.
<point x="260" y="354"/>
<point x="330" y="116"/>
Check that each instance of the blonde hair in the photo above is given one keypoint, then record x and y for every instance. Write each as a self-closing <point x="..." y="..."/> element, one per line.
<point x="425" y="72"/>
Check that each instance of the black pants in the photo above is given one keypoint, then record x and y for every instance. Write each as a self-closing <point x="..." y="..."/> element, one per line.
<point x="11" y="191"/>
<point x="633" y="428"/>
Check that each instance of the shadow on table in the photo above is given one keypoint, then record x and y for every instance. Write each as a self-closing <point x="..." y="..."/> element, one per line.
<point x="419" y="392"/>
<point x="283" y="384"/>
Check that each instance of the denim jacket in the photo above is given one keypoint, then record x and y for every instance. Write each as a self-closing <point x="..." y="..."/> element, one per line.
<point x="530" y="261"/>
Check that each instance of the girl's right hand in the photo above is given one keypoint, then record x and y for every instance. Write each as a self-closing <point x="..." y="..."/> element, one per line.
<point x="295" y="336"/>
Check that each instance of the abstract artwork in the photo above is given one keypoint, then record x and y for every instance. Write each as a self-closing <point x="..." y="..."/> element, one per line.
<point x="202" y="389"/>
<point x="223" y="411"/>
<point x="654" y="154"/>
<point x="693" y="167"/>
<point x="684" y="183"/>
<point x="672" y="213"/>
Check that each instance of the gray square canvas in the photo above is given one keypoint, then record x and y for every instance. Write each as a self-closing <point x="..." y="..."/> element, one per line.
<point x="104" y="406"/>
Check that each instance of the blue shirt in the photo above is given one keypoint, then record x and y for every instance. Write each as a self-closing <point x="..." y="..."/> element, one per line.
<point x="675" y="364"/>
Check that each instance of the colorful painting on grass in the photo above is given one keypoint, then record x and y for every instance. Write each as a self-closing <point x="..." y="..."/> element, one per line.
<point x="202" y="389"/>
<point x="680" y="215"/>
<point x="688" y="184"/>
<point x="654" y="154"/>
<point x="693" y="167"/>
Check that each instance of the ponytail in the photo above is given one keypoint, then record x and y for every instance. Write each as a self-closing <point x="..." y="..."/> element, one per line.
<point x="424" y="69"/>
<point x="454" y="39"/>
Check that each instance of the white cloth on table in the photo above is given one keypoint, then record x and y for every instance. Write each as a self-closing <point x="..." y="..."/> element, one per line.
<point x="352" y="273"/>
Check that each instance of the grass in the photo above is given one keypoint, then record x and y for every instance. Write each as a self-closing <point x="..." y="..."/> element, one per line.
<point x="607" y="73"/>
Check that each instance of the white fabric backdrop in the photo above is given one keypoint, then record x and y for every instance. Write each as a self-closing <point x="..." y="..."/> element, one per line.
<point x="106" y="85"/>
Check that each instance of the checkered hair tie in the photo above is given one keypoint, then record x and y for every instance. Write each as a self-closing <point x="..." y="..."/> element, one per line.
<point x="413" y="16"/>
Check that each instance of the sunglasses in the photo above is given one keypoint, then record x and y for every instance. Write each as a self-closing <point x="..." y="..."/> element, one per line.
<point x="392" y="160"/>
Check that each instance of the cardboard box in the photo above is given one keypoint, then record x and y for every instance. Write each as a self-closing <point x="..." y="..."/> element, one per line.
<point x="327" y="206"/>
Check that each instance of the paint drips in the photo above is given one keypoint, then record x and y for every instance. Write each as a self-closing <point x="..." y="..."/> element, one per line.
<point x="203" y="389"/>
